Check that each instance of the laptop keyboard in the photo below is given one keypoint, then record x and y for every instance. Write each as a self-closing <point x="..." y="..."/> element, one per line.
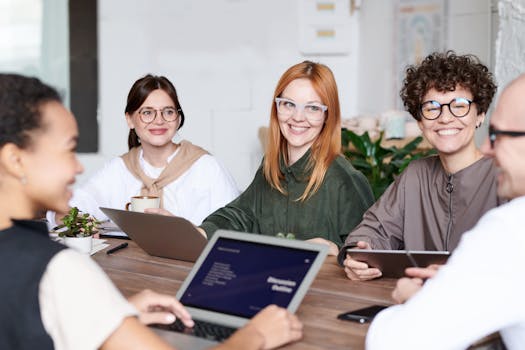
<point x="202" y="329"/>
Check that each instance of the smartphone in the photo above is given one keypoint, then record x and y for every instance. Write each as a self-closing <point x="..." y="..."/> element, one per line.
<point x="363" y="315"/>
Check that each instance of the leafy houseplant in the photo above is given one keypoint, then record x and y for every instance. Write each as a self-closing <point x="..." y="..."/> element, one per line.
<point x="78" y="224"/>
<point x="379" y="164"/>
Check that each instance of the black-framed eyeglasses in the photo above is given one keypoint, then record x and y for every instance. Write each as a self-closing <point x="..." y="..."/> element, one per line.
<point x="169" y="114"/>
<point x="493" y="134"/>
<point x="459" y="107"/>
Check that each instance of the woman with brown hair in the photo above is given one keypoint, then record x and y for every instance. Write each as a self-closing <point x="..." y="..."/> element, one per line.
<point x="305" y="186"/>
<point x="190" y="182"/>
<point x="58" y="298"/>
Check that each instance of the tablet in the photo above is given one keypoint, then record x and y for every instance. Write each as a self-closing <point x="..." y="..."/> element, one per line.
<point x="393" y="263"/>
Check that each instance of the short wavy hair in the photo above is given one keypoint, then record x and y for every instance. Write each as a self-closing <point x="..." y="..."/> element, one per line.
<point x="444" y="71"/>
<point x="21" y="102"/>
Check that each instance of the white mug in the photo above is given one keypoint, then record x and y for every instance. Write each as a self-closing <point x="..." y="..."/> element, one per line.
<point x="139" y="203"/>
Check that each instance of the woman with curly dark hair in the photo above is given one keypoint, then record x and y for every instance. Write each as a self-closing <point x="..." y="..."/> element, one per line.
<point x="435" y="199"/>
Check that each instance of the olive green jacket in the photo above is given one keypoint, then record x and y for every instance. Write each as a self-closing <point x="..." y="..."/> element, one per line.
<point x="331" y="213"/>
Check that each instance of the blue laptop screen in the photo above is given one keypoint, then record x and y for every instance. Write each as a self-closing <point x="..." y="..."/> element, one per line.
<point x="240" y="278"/>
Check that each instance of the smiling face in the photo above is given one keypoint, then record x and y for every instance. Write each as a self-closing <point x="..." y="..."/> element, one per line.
<point x="299" y="132"/>
<point x="448" y="134"/>
<point x="158" y="133"/>
<point x="50" y="163"/>
<point x="509" y="152"/>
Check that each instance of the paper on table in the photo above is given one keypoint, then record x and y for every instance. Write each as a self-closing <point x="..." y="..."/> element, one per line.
<point x="98" y="245"/>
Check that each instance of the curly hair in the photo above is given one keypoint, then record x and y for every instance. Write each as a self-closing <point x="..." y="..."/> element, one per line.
<point x="444" y="72"/>
<point x="21" y="99"/>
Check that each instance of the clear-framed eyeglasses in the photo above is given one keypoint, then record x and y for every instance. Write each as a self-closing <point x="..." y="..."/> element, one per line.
<point x="458" y="107"/>
<point x="312" y="111"/>
<point x="169" y="114"/>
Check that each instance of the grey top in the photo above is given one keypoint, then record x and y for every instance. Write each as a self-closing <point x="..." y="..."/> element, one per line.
<point x="428" y="209"/>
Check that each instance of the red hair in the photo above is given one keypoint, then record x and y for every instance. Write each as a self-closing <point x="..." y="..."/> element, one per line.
<point x="325" y="148"/>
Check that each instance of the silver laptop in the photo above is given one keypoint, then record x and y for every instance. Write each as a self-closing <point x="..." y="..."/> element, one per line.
<point x="237" y="275"/>
<point x="160" y="235"/>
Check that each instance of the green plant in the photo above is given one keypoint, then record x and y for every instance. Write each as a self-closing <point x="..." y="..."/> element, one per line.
<point x="78" y="224"/>
<point x="379" y="164"/>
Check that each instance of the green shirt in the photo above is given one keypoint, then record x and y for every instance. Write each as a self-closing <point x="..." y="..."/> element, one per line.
<point x="331" y="213"/>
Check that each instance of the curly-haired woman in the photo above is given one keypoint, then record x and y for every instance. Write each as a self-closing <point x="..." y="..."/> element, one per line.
<point x="435" y="199"/>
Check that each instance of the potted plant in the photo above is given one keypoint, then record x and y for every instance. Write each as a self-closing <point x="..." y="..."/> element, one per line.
<point x="79" y="230"/>
<point x="379" y="164"/>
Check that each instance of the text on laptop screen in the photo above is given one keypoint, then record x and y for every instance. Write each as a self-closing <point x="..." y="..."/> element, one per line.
<point x="241" y="278"/>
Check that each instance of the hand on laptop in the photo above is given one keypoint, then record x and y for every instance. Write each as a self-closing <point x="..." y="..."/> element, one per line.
<point x="406" y="287"/>
<point x="159" y="308"/>
<point x="275" y="327"/>
<point x="158" y="211"/>
<point x="358" y="270"/>
<point x="332" y="247"/>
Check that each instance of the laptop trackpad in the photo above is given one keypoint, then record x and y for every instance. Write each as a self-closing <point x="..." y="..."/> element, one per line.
<point x="183" y="341"/>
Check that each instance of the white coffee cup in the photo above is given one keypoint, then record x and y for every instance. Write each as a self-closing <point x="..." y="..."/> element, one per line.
<point x="139" y="203"/>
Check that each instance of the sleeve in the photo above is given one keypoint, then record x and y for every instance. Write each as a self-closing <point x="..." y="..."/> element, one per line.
<point x="214" y="188"/>
<point x="461" y="304"/>
<point x="111" y="186"/>
<point x="382" y="224"/>
<point x="354" y="198"/>
<point x="239" y="214"/>
<point x="79" y="305"/>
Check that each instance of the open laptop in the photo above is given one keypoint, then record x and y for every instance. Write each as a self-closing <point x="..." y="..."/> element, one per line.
<point x="236" y="276"/>
<point x="160" y="235"/>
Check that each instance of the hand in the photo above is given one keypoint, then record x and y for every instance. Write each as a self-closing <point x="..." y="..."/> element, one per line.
<point x="159" y="308"/>
<point x="159" y="211"/>
<point x="408" y="286"/>
<point x="332" y="247"/>
<point x="358" y="270"/>
<point x="277" y="326"/>
<point x="202" y="232"/>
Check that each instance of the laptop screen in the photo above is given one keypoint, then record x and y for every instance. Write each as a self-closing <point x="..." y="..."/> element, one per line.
<point x="240" y="278"/>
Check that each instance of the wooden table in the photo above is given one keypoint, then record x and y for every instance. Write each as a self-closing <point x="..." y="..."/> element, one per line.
<point x="331" y="293"/>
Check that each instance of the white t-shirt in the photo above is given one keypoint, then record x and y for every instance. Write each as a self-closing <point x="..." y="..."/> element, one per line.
<point x="79" y="305"/>
<point x="479" y="291"/>
<point x="202" y="189"/>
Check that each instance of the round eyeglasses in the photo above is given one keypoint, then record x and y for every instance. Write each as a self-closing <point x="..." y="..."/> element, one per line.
<point x="312" y="111"/>
<point x="169" y="114"/>
<point x="458" y="107"/>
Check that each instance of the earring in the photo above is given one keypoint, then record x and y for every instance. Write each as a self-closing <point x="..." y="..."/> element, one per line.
<point x="478" y="126"/>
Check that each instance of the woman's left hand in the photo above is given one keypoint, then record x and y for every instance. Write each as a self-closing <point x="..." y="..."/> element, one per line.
<point x="159" y="211"/>
<point x="332" y="247"/>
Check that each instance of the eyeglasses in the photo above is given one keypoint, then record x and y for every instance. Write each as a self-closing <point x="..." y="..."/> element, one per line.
<point x="493" y="134"/>
<point x="312" y="111"/>
<point x="459" y="107"/>
<point x="148" y="114"/>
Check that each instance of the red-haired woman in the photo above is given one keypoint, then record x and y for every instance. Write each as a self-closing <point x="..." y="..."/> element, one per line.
<point x="304" y="185"/>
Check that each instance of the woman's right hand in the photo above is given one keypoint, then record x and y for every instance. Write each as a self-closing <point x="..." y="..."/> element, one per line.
<point x="358" y="270"/>
<point x="272" y="327"/>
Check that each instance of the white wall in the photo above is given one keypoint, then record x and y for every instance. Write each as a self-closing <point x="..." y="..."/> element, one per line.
<point x="223" y="56"/>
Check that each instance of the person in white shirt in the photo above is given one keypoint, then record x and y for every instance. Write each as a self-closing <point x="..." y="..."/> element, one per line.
<point x="480" y="290"/>
<point x="191" y="183"/>
<point x="54" y="297"/>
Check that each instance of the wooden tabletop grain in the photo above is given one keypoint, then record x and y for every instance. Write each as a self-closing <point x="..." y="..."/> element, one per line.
<point x="132" y="270"/>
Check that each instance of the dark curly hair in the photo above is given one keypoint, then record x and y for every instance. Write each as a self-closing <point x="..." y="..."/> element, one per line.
<point x="21" y="99"/>
<point x="140" y="91"/>
<point x="444" y="72"/>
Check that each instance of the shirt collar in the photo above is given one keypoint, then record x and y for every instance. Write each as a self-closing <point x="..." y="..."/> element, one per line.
<point x="297" y="169"/>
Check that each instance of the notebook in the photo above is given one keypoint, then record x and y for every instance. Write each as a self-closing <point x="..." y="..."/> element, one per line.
<point x="238" y="274"/>
<point x="160" y="235"/>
